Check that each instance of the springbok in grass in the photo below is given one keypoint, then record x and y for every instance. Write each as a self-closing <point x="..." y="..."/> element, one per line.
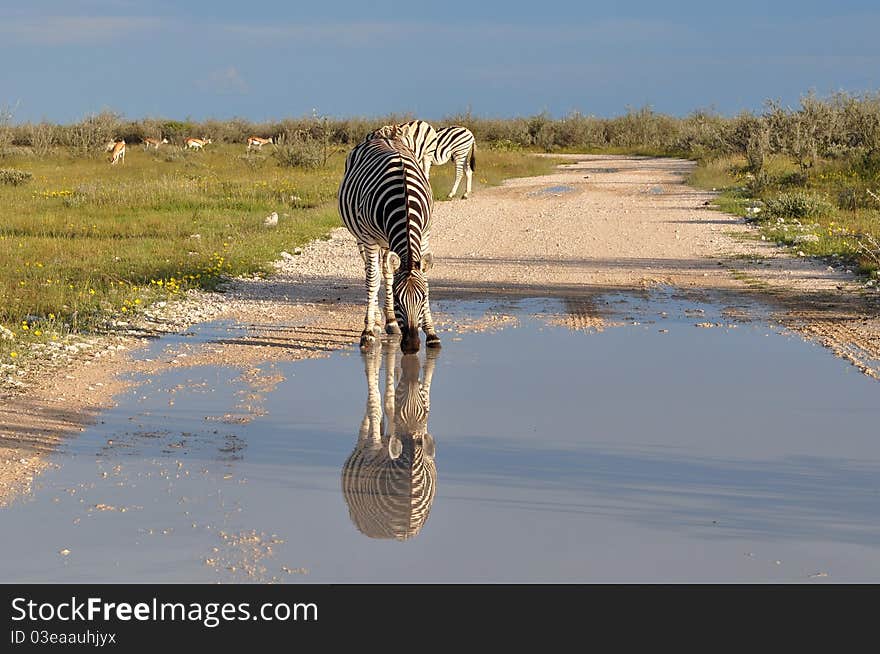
<point x="153" y="143"/>
<point x="258" y="142"/>
<point x="196" y="144"/>
<point x="117" y="152"/>
<point x="110" y="145"/>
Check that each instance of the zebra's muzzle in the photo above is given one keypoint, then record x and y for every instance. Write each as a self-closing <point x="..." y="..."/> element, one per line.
<point x="409" y="342"/>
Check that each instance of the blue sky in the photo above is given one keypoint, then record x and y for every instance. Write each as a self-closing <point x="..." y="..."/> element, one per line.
<point x="268" y="59"/>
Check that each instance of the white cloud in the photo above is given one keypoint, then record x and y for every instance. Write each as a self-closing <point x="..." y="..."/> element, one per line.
<point x="337" y="34"/>
<point x="226" y="81"/>
<point x="73" y="30"/>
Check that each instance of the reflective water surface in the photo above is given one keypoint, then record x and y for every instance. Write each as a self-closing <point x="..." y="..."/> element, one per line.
<point x="668" y="441"/>
<point x="554" y="190"/>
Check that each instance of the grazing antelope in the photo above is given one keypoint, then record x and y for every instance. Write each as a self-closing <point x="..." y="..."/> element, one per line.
<point x="153" y="143"/>
<point x="110" y="145"/>
<point x="196" y="144"/>
<point x="258" y="142"/>
<point x="117" y="153"/>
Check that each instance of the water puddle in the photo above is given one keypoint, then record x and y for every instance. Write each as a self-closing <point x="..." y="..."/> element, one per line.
<point x="559" y="189"/>
<point x="628" y="439"/>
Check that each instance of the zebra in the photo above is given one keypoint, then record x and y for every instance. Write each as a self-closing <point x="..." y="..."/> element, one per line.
<point x="385" y="201"/>
<point x="390" y="477"/>
<point x="419" y="136"/>
<point x="457" y="143"/>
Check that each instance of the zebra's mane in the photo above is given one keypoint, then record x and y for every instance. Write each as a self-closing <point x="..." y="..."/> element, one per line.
<point x="404" y="152"/>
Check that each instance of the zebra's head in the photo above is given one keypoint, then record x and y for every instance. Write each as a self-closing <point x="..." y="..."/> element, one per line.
<point x="410" y="300"/>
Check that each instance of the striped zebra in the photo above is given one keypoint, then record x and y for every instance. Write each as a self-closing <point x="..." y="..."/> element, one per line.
<point x="385" y="201"/>
<point x="419" y="137"/>
<point x="389" y="479"/>
<point x="457" y="143"/>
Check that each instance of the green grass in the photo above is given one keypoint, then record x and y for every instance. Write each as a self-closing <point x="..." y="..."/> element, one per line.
<point x="801" y="209"/>
<point x="82" y="242"/>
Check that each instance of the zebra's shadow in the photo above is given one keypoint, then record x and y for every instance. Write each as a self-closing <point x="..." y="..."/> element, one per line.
<point x="389" y="479"/>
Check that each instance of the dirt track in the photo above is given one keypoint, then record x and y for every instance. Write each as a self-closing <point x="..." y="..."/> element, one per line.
<point x="600" y="224"/>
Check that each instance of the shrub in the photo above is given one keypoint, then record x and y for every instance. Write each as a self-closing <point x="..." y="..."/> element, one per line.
<point x="505" y="145"/>
<point x="799" y="205"/>
<point x="13" y="177"/>
<point x="92" y="133"/>
<point x="6" y="133"/>
<point x="43" y="137"/>
<point x="757" y="149"/>
<point x="299" y="150"/>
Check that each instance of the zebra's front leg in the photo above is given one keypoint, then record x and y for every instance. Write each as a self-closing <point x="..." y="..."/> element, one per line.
<point x="389" y="350"/>
<point x="371" y="268"/>
<point x="431" y="338"/>
<point x="458" y="174"/>
<point x="428" y="375"/>
<point x="388" y="268"/>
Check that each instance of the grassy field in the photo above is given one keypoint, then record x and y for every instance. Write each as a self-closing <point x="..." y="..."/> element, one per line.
<point x="82" y="242"/>
<point x="825" y="211"/>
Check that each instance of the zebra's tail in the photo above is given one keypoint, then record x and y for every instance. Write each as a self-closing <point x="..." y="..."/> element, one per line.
<point x="473" y="162"/>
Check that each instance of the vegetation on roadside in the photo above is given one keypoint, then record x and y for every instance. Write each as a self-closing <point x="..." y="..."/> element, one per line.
<point x="824" y="212"/>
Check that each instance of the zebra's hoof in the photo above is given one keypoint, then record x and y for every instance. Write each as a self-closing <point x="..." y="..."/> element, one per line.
<point x="465" y="196"/>
<point x="450" y="196"/>
<point x="392" y="328"/>
<point x="367" y="340"/>
<point x="432" y="340"/>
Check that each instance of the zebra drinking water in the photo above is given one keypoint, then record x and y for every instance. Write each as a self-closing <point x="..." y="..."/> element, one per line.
<point x="457" y="143"/>
<point x="389" y="479"/>
<point x="385" y="201"/>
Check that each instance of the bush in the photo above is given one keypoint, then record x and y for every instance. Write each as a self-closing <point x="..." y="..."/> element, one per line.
<point x="757" y="149"/>
<point x="13" y="177"/>
<point x="799" y="205"/>
<point x="505" y="145"/>
<point x="43" y="137"/>
<point x="90" y="136"/>
<point x="299" y="150"/>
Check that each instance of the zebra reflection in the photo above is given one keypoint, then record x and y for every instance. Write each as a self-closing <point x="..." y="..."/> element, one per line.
<point x="388" y="480"/>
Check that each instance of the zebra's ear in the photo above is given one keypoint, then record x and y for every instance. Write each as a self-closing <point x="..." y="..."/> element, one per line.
<point x="394" y="261"/>
<point x="428" y="445"/>
<point x="395" y="447"/>
<point x="427" y="262"/>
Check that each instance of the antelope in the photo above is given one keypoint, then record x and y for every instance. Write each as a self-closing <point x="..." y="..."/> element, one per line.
<point x="258" y="142"/>
<point x="196" y="144"/>
<point x="117" y="152"/>
<point x="153" y="143"/>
